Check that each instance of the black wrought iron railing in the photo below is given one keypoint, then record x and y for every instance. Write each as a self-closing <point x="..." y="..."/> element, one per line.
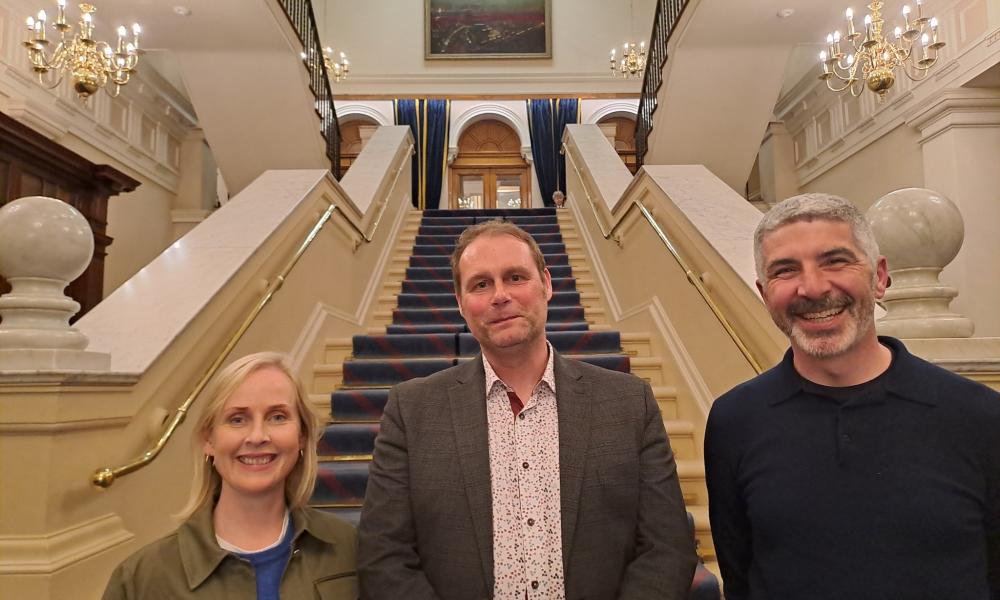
<point x="668" y="12"/>
<point x="300" y="14"/>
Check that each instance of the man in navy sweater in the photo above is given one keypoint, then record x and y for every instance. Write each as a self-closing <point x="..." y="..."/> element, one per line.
<point x="853" y="469"/>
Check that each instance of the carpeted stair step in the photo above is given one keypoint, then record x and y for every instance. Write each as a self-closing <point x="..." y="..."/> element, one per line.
<point x="461" y="328"/>
<point x="347" y="439"/>
<point x="448" y="300"/>
<point x="456" y="230"/>
<point x="525" y="220"/>
<point x="443" y="260"/>
<point x="463" y="221"/>
<point x="358" y="405"/>
<point x="409" y="346"/>
<point x="417" y="316"/>
<point x="391" y="371"/>
<point x="340" y="483"/>
<point x="443" y="272"/>
<point x="445" y="250"/>
<point x="449" y="241"/>
<point x="489" y="212"/>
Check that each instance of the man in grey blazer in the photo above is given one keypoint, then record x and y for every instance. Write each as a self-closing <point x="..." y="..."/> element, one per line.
<point x="521" y="474"/>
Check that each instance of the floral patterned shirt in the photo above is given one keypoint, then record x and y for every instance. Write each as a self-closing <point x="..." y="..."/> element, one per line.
<point x="524" y="473"/>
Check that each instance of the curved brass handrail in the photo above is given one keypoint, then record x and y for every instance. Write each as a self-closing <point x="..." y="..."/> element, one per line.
<point x="106" y="476"/>
<point x="692" y="277"/>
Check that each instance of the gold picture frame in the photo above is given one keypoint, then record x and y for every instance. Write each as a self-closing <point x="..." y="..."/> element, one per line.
<point x="487" y="29"/>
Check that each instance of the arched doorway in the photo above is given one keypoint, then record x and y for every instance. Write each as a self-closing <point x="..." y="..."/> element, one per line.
<point x="624" y="138"/>
<point x="353" y="135"/>
<point x="488" y="171"/>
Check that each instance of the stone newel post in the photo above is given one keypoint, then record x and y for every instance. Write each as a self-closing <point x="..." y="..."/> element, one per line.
<point x="44" y="245"/>
<point x="919" y="231"/>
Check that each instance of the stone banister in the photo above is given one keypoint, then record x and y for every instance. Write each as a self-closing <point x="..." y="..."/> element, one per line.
<point x="60" y="536"/>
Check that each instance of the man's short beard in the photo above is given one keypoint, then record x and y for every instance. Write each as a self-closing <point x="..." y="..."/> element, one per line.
<point x="862" y="316"/>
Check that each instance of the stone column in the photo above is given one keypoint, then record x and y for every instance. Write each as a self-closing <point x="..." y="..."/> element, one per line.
<point x="777" y="164"/>
<point x="196" y="186"/>
<point x="960" y="143"/>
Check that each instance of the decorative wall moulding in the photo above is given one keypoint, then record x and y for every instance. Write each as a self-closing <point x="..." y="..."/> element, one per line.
<point x="46" y="553"/>
<point x="37" y="117"/>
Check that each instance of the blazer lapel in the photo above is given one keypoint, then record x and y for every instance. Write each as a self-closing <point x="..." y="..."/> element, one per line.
<point x="468" y="412"/>
<point x="574" y="435"/>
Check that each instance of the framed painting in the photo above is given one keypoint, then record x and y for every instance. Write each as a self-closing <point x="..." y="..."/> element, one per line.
<point x="487" y="29"/>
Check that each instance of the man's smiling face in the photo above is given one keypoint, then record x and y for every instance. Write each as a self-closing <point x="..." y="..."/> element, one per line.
<point x="819" y="286"/>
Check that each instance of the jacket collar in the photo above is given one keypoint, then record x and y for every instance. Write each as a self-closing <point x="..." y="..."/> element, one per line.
<point x="901" y="379"/>
<point x="201" y="554"/>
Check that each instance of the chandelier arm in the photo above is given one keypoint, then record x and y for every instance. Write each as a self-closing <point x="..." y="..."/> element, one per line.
<point x="837" y="90"/>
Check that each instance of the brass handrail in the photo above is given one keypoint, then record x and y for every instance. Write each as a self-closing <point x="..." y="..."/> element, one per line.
<point x="692" y="277"/>
<point x="106" y="476"/>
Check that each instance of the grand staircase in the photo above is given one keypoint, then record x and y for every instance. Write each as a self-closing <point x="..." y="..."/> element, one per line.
<point x="421" y="332"/>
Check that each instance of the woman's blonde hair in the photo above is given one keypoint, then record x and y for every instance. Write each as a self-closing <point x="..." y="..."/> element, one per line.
<point x="300" y="482"/>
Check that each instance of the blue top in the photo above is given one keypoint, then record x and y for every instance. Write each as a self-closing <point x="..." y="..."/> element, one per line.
<point x="269" y="565"/>
<point x="889" y="489"/>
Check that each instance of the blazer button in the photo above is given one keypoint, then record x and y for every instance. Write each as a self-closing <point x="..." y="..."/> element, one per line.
<point x="534" y="585"/>
<point x="520" y="416"/>
<point x="531" y="522"/>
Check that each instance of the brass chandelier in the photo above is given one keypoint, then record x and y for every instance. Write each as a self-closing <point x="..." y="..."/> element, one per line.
<point x="632" y="63"/>
<point x="91" y="64"/>
<point x="872" y="58"/>
<point x="336" y="70"/>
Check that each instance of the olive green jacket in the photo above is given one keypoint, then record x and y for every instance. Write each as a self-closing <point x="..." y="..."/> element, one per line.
<point x="189" y="563"/>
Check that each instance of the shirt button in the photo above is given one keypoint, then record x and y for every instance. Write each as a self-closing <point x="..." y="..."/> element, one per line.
<point x="520" y="415"/>
<point x="525" y="464"/>
<point x="531" y="522"/>
<point x="534" y="585"/>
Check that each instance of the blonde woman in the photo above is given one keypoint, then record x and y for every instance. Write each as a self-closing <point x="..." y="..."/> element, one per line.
<point x="249" y="533"/>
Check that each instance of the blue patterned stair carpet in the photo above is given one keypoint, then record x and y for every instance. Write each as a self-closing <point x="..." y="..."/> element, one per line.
<point x="427" y="334"/>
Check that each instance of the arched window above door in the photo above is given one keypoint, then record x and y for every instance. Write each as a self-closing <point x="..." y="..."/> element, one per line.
<point x="489" y="171"/>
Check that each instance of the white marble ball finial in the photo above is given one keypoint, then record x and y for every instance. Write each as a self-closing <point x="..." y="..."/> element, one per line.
<point x="44" y="245"/>
<point x="919" y="231"/>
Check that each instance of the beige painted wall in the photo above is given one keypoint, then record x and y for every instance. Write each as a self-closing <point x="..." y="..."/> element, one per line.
<point x="384" y="41"/>
<point x="893" y="161"/>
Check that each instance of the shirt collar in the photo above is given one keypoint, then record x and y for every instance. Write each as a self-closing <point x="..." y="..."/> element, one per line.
<point x="901" y="379"/>
<point x="548" y="376"/>
<point x="201" y="554"/>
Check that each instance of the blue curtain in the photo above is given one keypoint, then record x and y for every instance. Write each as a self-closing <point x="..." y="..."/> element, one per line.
<point x="547" y="120"/>
<point x="435" y="149"/>
<point x="428" y="122"/>
<point x="541" y="126"/>
<point x="406" y="114"/>
<point x="567" y="112"/>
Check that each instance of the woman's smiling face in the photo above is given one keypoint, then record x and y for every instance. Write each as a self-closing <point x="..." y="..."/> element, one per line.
<point x="256" y="438"/>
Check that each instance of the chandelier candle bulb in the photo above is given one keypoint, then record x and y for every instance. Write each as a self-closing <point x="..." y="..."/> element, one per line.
<point x="61" y="12"/>
<point x="850" y="24"/>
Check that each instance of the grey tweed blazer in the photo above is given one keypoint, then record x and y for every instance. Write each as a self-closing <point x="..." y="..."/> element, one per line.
<point x="426" y="529"/>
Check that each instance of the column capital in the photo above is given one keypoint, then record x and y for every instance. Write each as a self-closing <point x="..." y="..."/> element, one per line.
<point x="956" y="107"/>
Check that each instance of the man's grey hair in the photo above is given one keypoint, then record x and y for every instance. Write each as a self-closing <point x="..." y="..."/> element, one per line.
<point x="815" y="207"/>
